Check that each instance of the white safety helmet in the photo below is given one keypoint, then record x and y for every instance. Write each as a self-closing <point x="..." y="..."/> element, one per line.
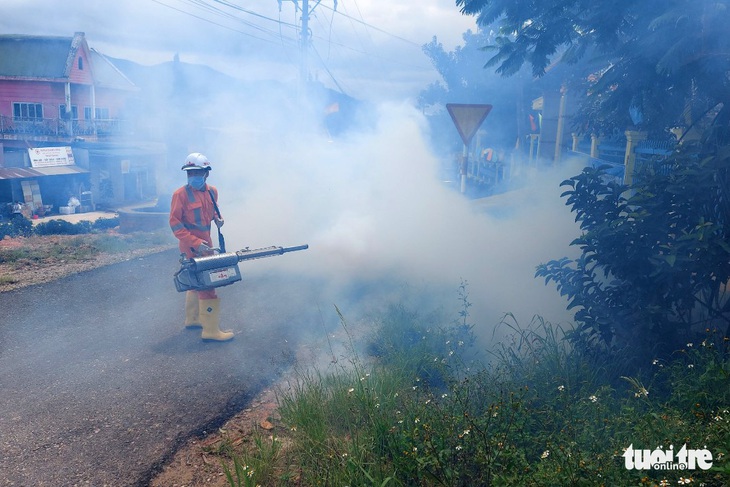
<point x="196" y="160"/>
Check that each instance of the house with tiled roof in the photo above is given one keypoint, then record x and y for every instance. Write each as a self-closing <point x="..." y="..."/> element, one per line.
<point x="64" y="126"/>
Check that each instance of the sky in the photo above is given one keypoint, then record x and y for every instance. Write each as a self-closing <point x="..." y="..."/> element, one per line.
<point x="366" y="48"/>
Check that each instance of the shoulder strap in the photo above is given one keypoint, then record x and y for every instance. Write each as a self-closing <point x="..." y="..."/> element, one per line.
<point x="215" y="205"/>
<point x="221" y="238"/>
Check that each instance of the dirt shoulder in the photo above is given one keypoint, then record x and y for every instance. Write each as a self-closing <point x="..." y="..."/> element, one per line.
<point x="27" y="261"/>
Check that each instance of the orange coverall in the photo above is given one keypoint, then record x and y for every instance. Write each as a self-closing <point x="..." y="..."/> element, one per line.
<point x="191" y="213"/>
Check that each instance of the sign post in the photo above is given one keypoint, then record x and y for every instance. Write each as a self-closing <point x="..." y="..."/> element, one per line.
<point x="467" y="118"/>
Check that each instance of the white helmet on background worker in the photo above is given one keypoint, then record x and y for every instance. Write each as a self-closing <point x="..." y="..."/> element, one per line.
<point x="196" y="160"/>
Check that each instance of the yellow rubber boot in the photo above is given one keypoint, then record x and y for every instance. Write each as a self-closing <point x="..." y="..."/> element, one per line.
<point x="210" y="319"/>
<point x="192" y="320"/>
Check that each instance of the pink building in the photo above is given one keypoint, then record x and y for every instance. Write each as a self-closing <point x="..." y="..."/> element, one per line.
<point x="57" y="93"/>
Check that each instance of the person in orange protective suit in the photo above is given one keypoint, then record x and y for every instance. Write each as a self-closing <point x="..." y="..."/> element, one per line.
<point x="191" y="212"/>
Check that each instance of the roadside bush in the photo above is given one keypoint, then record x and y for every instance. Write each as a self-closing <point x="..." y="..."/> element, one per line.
<point x="62" y="227"/>
<point x="17" y="227"/>
<point x="105" y="223"/>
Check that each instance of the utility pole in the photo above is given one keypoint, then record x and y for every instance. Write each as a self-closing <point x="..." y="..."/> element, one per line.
<point x="304" y="47"/>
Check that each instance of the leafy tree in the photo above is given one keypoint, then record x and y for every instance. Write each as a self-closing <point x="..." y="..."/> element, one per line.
<point x="655" y="257"/>
<point x="463" y="80"/>
<point x="652" y="64"/>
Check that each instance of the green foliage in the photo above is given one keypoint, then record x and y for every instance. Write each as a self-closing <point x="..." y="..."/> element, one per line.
<point x="655" y="258"/>
<point x="17" y="227"/>
<point x="463" y="80"/>
<point x="648" y="57"/>
<point x="63" y="227"/>
<point x="256" y="467"/>
<point x="539" y="413"/>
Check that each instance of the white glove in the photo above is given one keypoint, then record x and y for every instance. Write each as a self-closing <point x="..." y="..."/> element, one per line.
<point x="203" y="249"/>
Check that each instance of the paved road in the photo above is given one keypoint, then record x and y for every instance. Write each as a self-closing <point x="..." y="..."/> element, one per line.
<point x="99" y="382"/>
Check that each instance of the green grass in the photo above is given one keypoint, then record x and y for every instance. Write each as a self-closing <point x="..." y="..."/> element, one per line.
<point x="7" y="280"/>
<point x="421" y="410"/>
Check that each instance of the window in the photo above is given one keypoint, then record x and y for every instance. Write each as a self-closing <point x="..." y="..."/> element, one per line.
<point x="74" y="111"/>
<point x="27" y="111"/>
<point x="101" y="113"/>
<point x="81" y="63"/>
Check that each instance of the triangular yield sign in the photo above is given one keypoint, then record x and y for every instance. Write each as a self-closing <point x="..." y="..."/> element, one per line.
<point x="468" y="118"/>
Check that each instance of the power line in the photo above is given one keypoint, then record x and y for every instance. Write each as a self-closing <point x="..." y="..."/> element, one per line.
<point x="255" y="14"/>
<point x="278" y="37"/>
<point x="372" y="26"/>
<point x="218" y="12"/>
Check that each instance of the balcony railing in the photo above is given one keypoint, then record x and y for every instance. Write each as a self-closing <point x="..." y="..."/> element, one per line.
<point x="62" y="128"/>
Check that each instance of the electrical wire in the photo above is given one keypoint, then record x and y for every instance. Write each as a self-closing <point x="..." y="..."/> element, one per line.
<point x="373" y="27"/>
<point x="202" y="5"/>
<point x="278" y="36"/>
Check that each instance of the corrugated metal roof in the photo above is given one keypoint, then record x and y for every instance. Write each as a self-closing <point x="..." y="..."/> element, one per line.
<point x="36" y="172"/>
<point x="107" y="75"/>
<point x="34" y="56"/>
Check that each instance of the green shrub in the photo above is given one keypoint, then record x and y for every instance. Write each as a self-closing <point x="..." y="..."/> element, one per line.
<point x="62" y="227"/>
<point x="105" y="223"/>
<point x="17" y="227"/>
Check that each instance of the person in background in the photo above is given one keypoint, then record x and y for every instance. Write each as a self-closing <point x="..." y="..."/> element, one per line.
<point x="191" y="212"/>
<point x="17" y="210"/>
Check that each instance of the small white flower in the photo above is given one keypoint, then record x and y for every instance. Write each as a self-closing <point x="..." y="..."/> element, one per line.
<point x="642" y="393"/>
<point x="593" y="399"/>
<point x="545" y="454"/>
<point x="561" y="388"/>
<point x="443" y="396"/>
<point x="458" y="447"/>
<point x="690" y="345"/>
<point x="466" y="432"/>
<point x="350" y="390"/>
<point x="691" y="366"/>
<point x="655" y="361"/>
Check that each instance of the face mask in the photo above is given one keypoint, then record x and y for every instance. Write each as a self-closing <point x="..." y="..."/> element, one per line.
<point x="197" y="182"/>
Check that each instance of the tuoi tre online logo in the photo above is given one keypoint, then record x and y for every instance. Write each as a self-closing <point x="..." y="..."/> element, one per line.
<point x="658" y="459"/>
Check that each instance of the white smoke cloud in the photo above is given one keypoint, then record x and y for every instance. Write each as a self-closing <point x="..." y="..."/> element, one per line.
<point x="372" y="209"/>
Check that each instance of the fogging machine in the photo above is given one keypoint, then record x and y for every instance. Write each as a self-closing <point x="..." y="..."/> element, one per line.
<point x="211" y="271"/>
